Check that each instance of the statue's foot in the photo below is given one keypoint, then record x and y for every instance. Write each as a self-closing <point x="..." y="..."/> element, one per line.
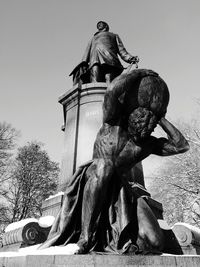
<point x="83" y="247"/>
<point x="130" y="248"/>
<point x="81" y="250"/>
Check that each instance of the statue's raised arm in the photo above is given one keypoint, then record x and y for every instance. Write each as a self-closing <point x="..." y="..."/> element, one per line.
<point x="174" y="144"/>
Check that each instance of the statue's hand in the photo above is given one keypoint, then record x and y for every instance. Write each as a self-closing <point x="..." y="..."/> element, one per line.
<point x="134" y="60"/>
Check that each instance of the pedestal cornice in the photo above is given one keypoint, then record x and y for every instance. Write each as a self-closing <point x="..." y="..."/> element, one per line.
<point x="89" y="88"/>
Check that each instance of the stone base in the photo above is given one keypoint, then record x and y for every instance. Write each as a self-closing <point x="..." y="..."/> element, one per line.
<point x="52" y="205"/>
<point x="97" y="261"/>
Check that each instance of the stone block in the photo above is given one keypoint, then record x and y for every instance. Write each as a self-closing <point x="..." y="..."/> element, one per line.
<point x="52" y="205"/>
<point x="24" y="233"/>
<point x="188" y="237"/>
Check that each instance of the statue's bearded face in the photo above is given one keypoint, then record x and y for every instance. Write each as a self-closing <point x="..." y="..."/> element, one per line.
<point x="141" y="123"/>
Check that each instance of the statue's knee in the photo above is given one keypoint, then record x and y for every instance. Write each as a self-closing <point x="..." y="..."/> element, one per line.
<point x="157" y="241"/>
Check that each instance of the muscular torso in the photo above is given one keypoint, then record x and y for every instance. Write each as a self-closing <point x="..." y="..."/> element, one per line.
<point x="112" y="143"/>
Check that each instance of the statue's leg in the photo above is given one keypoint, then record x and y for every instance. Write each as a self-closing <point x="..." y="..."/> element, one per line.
<point x="137" y="174"/>
<point x="150" y="235"/>
<point x="98" y="176"/>
<point x="96" y="74"/>
<point x="112" y="73"/>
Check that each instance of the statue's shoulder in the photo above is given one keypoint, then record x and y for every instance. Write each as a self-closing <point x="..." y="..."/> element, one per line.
<point x="113" y="34"/>
<point x="109" y="34"/>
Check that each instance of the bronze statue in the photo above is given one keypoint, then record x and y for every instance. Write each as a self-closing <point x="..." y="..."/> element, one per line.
<point x="100" y="62"/>
<point x="100" y="211"/>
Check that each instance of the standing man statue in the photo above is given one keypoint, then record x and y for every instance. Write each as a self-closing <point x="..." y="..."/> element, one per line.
<point x="100" y="62"/>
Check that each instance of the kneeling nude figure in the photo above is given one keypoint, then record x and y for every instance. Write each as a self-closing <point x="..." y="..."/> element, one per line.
<point x="129" y="118"/>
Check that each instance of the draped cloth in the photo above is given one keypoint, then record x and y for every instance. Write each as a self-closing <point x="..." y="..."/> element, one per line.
<point x="117" y="228"/>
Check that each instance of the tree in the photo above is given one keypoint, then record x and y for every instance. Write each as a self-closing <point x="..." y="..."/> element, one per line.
<point x="8" y="137"/>
<point x="34" y="178"/>
<point x="177" y="183"/>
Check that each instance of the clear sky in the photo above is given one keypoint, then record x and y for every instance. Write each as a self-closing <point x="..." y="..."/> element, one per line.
<point x="42" y="40"/>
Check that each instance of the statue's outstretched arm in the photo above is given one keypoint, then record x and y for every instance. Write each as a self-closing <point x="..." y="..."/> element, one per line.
<point x="175" y="144"/>
<point x="122" y="51"/>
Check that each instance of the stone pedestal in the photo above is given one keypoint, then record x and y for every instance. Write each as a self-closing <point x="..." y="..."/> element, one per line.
<point x="82" y="110"/>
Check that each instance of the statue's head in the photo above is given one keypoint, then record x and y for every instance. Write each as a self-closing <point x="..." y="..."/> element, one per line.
<point x="102" y="26"/>
<point x="141" y="123"/>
